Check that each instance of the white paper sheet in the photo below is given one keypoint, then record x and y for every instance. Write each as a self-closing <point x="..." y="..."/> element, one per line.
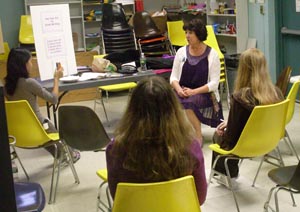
<point x="53" y="39"/>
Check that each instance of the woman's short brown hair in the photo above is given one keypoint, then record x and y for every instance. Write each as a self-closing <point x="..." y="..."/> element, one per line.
<point x="197" y="26"/>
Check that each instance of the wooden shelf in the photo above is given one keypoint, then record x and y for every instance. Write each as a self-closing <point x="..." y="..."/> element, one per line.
<point x="226" y="35"/>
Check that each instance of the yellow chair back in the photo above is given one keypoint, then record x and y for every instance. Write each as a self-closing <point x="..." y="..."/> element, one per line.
<point x="25" y="127"/>
<point x="262" y="132"/>
<point x="176" y="33"/>
<point x="4" y="56"/>
<point x="212" y="41"/>
<point x="292" y="95"/>
<point x="176" y="195"/>
<point x="26" y="32"/>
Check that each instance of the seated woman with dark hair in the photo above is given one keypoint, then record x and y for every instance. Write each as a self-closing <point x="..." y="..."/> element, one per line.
<point x="195" y="77"/>
<point x="19" y="86"/>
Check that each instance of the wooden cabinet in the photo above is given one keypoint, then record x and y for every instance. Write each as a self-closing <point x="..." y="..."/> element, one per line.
<point x="230" y="21"/>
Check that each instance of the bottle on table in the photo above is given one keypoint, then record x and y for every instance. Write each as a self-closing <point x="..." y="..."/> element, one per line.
<point x="143" y="62"/>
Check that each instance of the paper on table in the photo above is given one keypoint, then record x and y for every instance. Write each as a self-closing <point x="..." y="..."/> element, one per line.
<point x="91" y="75"/>
<point x="129" y="64"/>
<point x="294" y="79"/>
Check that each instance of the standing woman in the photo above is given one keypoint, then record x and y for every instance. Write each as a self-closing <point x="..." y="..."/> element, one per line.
<point x="195" y="77"/>
<point x="154" y="140"/>
<point x="19" y="86"/>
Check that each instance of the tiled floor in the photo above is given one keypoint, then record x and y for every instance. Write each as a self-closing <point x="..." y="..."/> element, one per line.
<point x="82" y="198"/>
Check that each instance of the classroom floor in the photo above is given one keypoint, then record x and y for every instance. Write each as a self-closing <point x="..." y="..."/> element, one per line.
<point x="82" y="198"/>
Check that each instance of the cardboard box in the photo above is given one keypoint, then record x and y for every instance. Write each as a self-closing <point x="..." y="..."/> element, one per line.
<point x="1" y="40"/>
<point x="160" y="20"/>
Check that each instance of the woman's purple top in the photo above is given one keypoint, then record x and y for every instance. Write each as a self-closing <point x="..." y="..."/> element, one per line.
<point x="117" y="173"/>
<point x="194" y="75"/>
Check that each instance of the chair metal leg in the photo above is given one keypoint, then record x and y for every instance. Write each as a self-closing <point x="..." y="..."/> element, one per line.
<point x="56" y="170"/>
<point x="276" y="198"/>
<point x="259" y="167"/>
<point x="290" y="145"/>
<point x="267" y="203"/>
<point x="15" y="155"/>
<point x="293" y="199"/>
<point x="99" y="97"/>
<point x="70" y="161"/>
<point x="213" y="172"/>
<point x="53" y="178"/>
<point x="228" y="179"/>
<point x="265" y="158"/>
<point x="102" y="102"/>
<point x="100" y="203"/>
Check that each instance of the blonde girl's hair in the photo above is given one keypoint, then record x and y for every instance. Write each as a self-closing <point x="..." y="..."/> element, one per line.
<point x="253" y="74"/>
<point x="154" y="133"/>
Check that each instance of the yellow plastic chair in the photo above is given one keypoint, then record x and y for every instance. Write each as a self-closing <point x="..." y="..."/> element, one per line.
<point x="213" y="43"/>
<point x="261" y="134"/>
<point x="4" y="56"/>
<point x="29" y="134"/>
<point x="102" y="205"/>
<point x="110" y="88"/>
<point x="176" y="34"/>
<point x="289" y="115"/>
<point x="178" y="195"/>
<point x="292" y="95"/>
<point x="26" y="38"/>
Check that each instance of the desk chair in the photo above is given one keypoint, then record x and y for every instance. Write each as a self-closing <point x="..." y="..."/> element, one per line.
<point x="26" y="38"/>
<point x="287" y="179"/>
<point x="261" y="134"/>
<point x="4" y="56"/>
<point x="30" y="197"/>
<point x="110" y="88"/>
<point x="178" y="195"/>
<point x="29" y="133"/>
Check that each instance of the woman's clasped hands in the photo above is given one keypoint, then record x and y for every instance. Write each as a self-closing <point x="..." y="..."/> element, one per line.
<point x="186" y="92"/>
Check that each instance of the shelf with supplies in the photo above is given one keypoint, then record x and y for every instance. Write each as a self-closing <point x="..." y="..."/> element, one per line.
<point x="85" y="17"/>
<point x="92" y="16"/>
<point x="222" y="15"/>
<point x="75" y="7"/>
<point x="230" y="22"/>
